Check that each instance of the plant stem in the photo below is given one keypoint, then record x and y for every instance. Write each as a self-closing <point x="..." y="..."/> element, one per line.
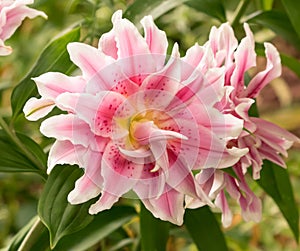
<point x="11" y="134"/>
<point x="30" y="238"/>
<point x="239" y="12"/>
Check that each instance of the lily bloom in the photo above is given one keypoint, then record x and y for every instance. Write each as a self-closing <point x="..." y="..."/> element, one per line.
<point x="136" y="121"/>
<point x="263" y="139"/>
<point x="12" y="13"/>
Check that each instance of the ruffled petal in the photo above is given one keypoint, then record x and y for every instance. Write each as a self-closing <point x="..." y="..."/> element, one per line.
<point x="107" y="44"/>
<point x="123" y="173"/>
<point x="221" y="202"/>
<point x="85" y="189"/>
<point x="129" y="41"/>
<point x="71" y="128"/>
<point x="245" y="58"/>
<point x="98" y="111"/>
<point x="168" y="207"/>
<point x="91" y="183"/>
<point x="223" y="42"/>
<point x="52" y="84"/>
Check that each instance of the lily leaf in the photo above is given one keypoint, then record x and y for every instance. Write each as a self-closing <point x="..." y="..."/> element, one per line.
<point x="213" y="8"/>
<point x="103" y="224"/>
<point x="204" y="229"/>
<point x="292" y="8"/>
<point x="60" y="217"/>
<point x="13" y="158"/>
<point x="278" y="22"/>
<point x="275" y="182"/>
<point x="154" y="232"/>
<point x="140" y="8"/>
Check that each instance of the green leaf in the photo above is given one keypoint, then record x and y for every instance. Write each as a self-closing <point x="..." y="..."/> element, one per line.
<point x="36" y="237"/>
<point x="213" y="8"/>
<point x="278" y="22"/>
<point x="54" y="58"/>
<point x="291" y="63"/>
<point x="154" y="232"/>
<point x="59" y="216"/>
<point x="140" y="8"/>
<point x="204" y="229"/>
<point x="102" y="225"/>
<point x="13" y="158"/>
<point x="275" y="182"/>
<point x="292" y="8"/>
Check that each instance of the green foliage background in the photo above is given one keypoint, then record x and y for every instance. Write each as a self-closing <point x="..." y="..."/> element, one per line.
<point x="25" y="189"/>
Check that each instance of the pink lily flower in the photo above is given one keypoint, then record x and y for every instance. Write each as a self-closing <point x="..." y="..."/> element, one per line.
<point x="136" y="121"/>
<point x="12" y="13"/>
<point x="263" y="139"/>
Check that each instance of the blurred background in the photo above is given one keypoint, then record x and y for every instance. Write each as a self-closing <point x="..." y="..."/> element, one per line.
<point x="186" y="24"/>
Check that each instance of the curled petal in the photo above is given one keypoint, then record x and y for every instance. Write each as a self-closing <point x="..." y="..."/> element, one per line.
<point x="85" y="189"/>
<point x="64" y="152"/>
<point x="272" y="71"/>
<point x="35" y="109"/>
<point x="13" y="14"/>
<point x="105" y="202"/>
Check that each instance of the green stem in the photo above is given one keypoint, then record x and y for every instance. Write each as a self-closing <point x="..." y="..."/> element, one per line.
<point x="31" y="237"/>
<point x="11" y="134"/>
<point x="239" y="12"/>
